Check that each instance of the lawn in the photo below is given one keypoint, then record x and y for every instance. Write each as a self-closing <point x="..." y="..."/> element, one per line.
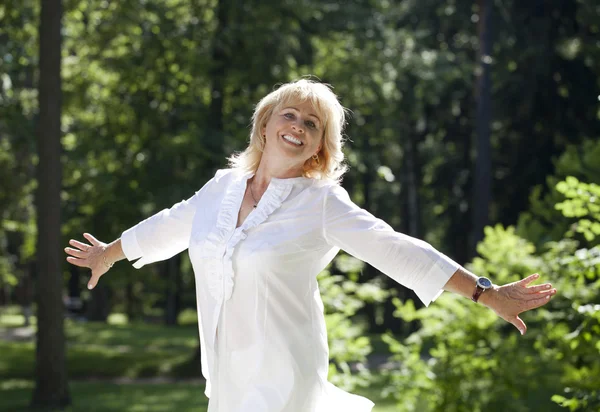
<point x="138" y="397"/>
<point x="110" y="366"/>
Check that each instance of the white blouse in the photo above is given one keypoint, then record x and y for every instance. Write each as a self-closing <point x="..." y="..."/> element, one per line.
<point x="260" y="315"/>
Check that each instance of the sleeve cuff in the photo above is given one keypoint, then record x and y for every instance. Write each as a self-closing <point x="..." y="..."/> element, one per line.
<point x="432" y="284"/>
<point x="129" y="244"/>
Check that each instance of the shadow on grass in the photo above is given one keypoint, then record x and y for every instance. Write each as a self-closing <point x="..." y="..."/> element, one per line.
<point x="105" y="397"/>
<point x="18" y="359"/>
<point x="111" y="397"/>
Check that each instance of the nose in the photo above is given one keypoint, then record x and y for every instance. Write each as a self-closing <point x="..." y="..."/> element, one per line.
<point x="297" y="125"/>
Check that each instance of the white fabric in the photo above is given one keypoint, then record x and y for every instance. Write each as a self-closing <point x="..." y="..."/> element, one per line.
<point x="262" y="329"/>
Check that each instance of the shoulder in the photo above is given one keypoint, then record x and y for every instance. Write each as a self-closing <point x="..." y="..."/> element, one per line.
<point x="217" y="183"/>
<point x="331" y="189"/>
<point x="225" y="174"/>
<point x="223" y="177"/>
<point x="328" y="191"/>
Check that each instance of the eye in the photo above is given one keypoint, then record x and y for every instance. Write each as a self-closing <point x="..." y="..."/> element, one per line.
<point x="311" y="124"/>
<point x="288" y="115"/>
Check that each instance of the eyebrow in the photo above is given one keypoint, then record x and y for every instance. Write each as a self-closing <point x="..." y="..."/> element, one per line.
<point x="310" y="114"/>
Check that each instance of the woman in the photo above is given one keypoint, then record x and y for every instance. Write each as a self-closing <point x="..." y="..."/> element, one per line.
<point x="259" y="233"/>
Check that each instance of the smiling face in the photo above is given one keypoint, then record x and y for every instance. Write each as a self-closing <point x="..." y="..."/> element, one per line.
<point x="294" y="133"/>
<point x="312" y="120"/>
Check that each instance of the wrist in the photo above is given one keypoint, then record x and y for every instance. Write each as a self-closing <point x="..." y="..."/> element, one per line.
<point x="489" y="297"/>
<point x="113" y="252"/>
<point x="107" y="262"/>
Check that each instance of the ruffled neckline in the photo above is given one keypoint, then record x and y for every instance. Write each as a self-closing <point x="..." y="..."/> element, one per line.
<point x="225" y="235"/>
<point x="276" y="193"/>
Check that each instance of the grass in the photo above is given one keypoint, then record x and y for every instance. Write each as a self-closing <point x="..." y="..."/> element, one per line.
<point x="101" y="350"/>
<point x="105" y="397"/>
<point x="111" y="397"/>
<point x="108" y="352"/>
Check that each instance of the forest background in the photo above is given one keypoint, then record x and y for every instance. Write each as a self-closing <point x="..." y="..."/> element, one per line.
<point x="474" y="126"/>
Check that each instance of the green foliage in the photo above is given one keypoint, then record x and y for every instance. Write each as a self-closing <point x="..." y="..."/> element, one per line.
<point x="543" y="222"/>
<point x="18" y="103"/>
<point x="465" y="359"/>
<point x="456" y="360"/>
<point x="583" y="203"/>
<point x="156" y="94"/>
<point x="187" y="317"/>
<point x="342" y="299"/>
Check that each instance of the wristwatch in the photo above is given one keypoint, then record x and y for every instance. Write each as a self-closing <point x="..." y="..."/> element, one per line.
<point x="482" y="285"/>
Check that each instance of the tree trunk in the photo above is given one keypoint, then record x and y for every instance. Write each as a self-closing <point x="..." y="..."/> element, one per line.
<point x="74" y="287"/>
<point x="173" y="290"/>
<point x="483" y="162"/>
<point x="129" y="301"/>
<point x="411" y="224"/>
<point x="221" y="56"/>
<point x="98" y="307"/>
<point x="411" y="178"/>
<point x="51" y="385"/>
<point x="369" y="272"/>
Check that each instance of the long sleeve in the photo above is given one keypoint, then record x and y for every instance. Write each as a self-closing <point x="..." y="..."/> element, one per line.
<point x="409" y="261"/>
<point x="162" y="235"/>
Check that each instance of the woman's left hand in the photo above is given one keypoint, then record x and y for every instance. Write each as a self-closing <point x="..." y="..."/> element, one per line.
<point x="509" y="300"/>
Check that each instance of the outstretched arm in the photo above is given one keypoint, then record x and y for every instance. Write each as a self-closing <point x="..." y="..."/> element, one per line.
<point x="415" y="264"/>
<point x="507" y="301"/>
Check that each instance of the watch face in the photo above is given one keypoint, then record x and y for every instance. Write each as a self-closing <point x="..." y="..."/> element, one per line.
<point x="484" y="283"/>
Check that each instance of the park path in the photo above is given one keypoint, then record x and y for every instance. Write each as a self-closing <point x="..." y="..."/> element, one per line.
<point x="18" y="334"/>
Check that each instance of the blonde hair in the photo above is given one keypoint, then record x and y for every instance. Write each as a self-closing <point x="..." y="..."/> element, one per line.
<point x="332" y="114"/>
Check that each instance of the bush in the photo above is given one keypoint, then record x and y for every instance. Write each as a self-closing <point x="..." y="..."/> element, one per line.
<point x="342" y="299"/>
<point x="464" y="358"/>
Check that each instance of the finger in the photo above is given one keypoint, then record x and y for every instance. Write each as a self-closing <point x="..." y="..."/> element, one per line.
<point x="539" y="288"/>
<point x="76" y="252"/>
<point x="78" y="244"/>
<point x="529" y="279"/>
<point x="91" y="238"/>
<point x="93" y="281"/>
<point x="543" y="294"/>
<point x="537" y="302"/>
<point x="77" y="262"/>
<point x="519" y="324"/>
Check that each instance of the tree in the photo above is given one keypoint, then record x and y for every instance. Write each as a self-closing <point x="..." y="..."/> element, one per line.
<point x="51" y="389"/>
<point x="483" y="163"/>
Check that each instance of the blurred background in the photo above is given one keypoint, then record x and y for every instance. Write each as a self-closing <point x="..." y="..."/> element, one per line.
<point x="474" y="126"/>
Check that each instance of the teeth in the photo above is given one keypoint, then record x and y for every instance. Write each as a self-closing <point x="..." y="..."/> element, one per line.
<point x="292" y="139"/>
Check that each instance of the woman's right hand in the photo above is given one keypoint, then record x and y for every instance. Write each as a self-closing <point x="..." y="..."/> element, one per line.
<point x="89" y="256"/>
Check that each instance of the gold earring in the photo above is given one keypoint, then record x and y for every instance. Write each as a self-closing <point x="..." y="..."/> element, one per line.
<point x="316" y="158"/>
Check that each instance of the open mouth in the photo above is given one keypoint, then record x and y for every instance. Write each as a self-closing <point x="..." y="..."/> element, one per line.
<point x="292" y="140"/>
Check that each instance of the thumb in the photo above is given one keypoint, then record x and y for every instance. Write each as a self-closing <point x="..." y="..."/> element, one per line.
<point x="519" y="324"/>
<point x="93" y="280"/>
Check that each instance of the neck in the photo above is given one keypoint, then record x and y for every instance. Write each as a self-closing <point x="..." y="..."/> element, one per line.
<point x="266" y="171"/>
